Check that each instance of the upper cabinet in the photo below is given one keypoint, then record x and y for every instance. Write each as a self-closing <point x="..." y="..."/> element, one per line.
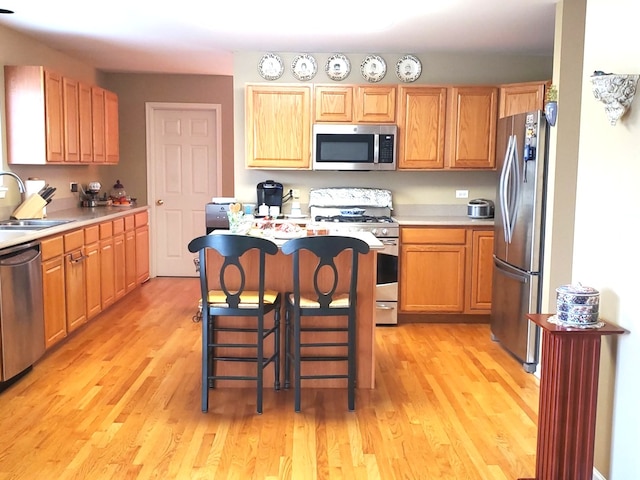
<point x="522" y="97"/>
<point x="278" y="126"/>
<point x="447" y="127"/>
<point x="50" y="118"/>
<point x="355" y="103"/>
<point x="421" y="127"/>
<point x="472" y="127"/>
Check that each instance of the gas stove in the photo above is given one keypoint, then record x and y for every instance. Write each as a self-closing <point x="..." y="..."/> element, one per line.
<point x="328" y="205"/>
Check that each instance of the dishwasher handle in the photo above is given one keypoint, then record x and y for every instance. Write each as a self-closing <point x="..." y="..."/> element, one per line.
<point x="19" y="254"/>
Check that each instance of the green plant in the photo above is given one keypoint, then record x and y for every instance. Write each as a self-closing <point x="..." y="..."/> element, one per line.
<point x="552" y="94"/>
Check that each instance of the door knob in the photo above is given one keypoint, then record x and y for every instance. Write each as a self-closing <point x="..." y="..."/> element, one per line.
<point x="159" y="202"/>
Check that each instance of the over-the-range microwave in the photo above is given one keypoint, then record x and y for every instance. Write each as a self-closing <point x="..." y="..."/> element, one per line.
<point x="354" y="147"/>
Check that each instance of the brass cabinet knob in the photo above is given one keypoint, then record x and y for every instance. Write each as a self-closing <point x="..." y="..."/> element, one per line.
<point x="159" y="202"/>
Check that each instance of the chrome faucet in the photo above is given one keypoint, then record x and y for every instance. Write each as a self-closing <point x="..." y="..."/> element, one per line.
<point x="21" y="185"/>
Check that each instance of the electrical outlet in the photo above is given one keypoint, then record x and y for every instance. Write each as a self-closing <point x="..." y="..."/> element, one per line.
<point x="462" y="193"/>
<point x="296" y="192"/>
<point x="73" y="186"/>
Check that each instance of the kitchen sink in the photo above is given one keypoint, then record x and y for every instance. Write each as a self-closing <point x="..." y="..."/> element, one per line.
<point x="30" y="224"/>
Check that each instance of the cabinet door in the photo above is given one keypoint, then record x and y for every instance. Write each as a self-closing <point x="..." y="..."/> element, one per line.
<point x="421" y="126"/>
<point x="86" y="130"/>
<point x="107" y="273"/>
<point x="520" y="98"/>
<point x="54" y="111"/>
<point x="75" y="295"/>
<point x="119" y="266"/>
<point x="111" y="134"/>
<point x="92" y="279"/>
<point x="55" y="324"/>
<point x="142" y="254"/>
<point x="481" y="270"/>
<point x="333" y="104"/>
<point x="432" y="278"/>
<point x="130" y="260"/>
<point x="472" y="127"/>
<point x="97" y="124"/>
<point x="278" y="129"/>
<point x="375" y="104"/>
<point x="71" y="123"/>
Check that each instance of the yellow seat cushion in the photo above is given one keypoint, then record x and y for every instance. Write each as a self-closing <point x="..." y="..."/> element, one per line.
<point x="248" y="299"/>
<point x="307" y="300"/>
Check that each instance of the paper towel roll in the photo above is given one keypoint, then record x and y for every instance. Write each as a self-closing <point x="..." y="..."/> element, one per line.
<point x="34" y="185"/>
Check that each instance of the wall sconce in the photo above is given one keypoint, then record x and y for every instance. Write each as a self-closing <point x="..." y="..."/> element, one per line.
<point x="615" y="91"/>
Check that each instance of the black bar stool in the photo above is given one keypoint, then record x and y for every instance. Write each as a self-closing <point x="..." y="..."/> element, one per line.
<point x="325" y="300"/>
<point x="233" y="300"/>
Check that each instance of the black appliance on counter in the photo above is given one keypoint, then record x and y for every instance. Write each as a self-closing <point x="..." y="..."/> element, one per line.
<point x="215" y="214"/>
<point x="270" y="194"/>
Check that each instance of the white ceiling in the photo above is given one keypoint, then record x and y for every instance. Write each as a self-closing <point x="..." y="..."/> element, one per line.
<point x="200" y="36"/>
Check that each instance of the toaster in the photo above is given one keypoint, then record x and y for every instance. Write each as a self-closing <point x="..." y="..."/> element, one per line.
<point x="480" y="208"/>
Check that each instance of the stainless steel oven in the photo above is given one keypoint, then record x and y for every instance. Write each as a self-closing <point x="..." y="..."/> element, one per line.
<point x="387" y="283"/>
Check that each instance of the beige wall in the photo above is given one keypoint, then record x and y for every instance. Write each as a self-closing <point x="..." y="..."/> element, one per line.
<point x="408" y="187"/>
<point x="606" y="254"/>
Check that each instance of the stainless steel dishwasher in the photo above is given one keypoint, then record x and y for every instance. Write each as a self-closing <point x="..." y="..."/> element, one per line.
<point x="21" y="309"/>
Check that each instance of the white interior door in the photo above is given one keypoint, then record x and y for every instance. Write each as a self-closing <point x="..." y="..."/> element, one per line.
<point x="183" y="165"/>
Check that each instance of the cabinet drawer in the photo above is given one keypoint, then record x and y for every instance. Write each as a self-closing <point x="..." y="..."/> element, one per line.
<point x="450" y="236"/>
<point x="141" y="219"/>
<point x="52" y="247"/>
<point x="118" y="226"/>
<point x="106" y="230"/>
<point x="91" y="234"/>
<point x="73" y="240"/>
<point x="129" y="222"/>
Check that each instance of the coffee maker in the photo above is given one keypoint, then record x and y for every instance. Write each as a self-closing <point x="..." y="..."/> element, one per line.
<point x="270" y="194"/>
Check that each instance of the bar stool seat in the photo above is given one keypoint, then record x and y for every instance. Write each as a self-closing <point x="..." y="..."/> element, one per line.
<point x="233" y="299"/>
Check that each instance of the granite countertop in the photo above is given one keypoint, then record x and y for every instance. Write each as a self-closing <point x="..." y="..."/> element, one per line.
<point x="77" y="217"/>
<point x="442" y="220"/>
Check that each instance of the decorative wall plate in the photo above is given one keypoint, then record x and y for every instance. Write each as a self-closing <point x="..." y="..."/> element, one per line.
<point x="304" y="67"/>
<point x="373" y="68"/>
<point x="337" y="67"/>
<point x="408" y="68"/>
<point x="271" y="66"/>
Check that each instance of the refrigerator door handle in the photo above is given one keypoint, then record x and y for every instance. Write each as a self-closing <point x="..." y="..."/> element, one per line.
<point x="511" y="187"/>
<point x="510" y="272"/>
<point x="504" y="200"/>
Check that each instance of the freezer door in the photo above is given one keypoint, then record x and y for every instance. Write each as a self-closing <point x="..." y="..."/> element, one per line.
<point x="515" y="294"/>
<point x="521" y="191"/>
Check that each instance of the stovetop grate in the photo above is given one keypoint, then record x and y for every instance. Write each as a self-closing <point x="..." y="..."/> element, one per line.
<point x="353" y="219"/>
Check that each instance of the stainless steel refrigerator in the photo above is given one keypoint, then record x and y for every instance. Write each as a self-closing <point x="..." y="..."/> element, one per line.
<point x="521" y="154"/>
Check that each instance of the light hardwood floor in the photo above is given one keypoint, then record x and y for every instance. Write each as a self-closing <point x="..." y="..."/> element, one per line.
<point x="121" y="400"/>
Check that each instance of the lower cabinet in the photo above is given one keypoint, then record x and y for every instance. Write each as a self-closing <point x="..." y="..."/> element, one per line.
<point x="445" y="270"/>
<point x="84" y="271"/>
<point x="55" y="318"/>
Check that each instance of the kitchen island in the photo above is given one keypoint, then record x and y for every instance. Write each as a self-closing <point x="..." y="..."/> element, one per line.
<point x="279" y="277"/>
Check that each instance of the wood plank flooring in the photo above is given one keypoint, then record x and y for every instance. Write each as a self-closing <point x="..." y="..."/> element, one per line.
<point x="121" y="400"/>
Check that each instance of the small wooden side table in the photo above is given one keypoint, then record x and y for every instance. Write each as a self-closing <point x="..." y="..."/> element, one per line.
<point x="568" y="396"/>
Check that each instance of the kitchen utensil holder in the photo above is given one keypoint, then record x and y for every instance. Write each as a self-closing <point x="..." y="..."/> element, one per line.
<point x="32" y="207"/>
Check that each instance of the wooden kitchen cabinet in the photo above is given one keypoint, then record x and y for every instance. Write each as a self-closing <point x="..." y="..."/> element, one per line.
<point x="107" y="272"/>
<point x="522" y="97"/>
<point x="92" y="270"/>
<point x="421" y="127"/>
<point x="53" y="287"/>
<point x="142" y="247"/>
<point x="34" y="115"/>
<point x="71" y="120"/>
<point x="74" y="276"/>
<point x="481" y="271"/>
<point x="119" y="259"/>
<point x="86" y="119"/>
<point x="375" y="104"/>
<point x="432" y="270"/>
<point x="130" y="253"/>
<point x="98" y="125"/>
<point x="355" y="103"/>
<point x="278" y="126"/>
<point x="473" y="114"/>
<point x="111" y="134"/>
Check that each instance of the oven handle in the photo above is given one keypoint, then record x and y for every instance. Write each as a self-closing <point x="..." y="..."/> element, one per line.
<point x="390" y="246"/>
<point x="382" y="306"/>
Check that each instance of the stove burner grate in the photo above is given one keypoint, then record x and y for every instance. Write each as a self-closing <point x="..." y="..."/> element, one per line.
<point x="353" y="219"/>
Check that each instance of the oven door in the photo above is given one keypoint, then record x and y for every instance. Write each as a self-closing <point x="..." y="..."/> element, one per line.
<point x="387" y="283"/>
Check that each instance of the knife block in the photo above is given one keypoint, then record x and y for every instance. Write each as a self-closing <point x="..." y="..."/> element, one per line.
<point x="32" y="207"/>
